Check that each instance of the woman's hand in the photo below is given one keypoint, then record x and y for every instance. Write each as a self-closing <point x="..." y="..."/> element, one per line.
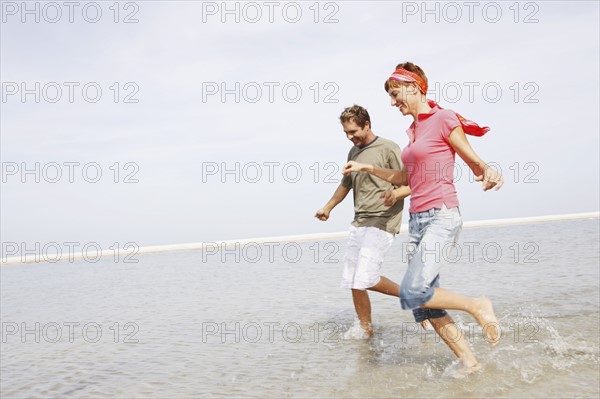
<point x="394" y="176"/>
<point x="490" y="178"/>
<point x="354" y="166"/>
<point x="483" y="173"/>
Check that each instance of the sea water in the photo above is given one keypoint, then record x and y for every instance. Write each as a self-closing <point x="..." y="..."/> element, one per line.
<point x="268" y="319"/>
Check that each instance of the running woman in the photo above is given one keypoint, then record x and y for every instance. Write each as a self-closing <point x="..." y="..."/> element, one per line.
<point x="435" y="136"/>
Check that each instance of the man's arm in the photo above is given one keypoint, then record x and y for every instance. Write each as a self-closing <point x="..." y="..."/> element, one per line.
<point x="394" y="176"/>
<point x="338" y="196"/>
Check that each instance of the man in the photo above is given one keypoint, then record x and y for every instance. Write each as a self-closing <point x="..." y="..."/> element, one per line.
<point x="376" y="222"/>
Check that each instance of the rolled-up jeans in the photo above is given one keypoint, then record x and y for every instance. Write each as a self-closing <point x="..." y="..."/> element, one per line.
<point x="432" y="236"/>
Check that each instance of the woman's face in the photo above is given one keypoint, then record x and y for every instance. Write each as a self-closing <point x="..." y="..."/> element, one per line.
<point x="404" y="97"/>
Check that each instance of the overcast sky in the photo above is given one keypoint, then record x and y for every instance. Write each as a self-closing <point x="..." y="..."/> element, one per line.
<point x="183" y="161"/>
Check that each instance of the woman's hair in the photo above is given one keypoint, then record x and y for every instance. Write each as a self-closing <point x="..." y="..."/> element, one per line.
<point x="409" y="66"/>
<point x="356" y="114"/>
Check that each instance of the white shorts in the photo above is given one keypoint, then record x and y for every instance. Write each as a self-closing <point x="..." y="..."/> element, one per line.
<point x="367" y="247"/>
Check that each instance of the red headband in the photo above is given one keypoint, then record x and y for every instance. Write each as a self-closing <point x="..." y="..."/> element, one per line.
<point x="402" y="75"/>
<point x="469" y="127"/>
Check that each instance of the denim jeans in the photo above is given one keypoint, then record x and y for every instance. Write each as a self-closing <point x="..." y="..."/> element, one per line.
<point x="432" y="234"/>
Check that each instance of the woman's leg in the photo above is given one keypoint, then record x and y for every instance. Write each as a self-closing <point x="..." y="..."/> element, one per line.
<point x="422" y="290"/>
<point x="453" y="337"/>
<point x="421" y="281"/>
<point x="480" y="308"/>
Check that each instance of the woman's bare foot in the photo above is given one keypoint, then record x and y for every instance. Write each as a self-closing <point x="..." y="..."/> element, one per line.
<point x="465" y="371"/>
<point x="484" y="314"/>
<point x="457" y="370"/>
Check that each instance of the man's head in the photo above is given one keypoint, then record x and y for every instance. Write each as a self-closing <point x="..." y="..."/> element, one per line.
<point x="357" y="125"/>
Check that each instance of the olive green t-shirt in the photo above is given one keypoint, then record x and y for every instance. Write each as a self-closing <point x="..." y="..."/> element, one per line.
<point x="369" y="209"/>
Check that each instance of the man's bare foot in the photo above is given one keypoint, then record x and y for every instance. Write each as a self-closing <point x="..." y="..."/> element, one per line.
<point x="484" y="314"/>
<point x="357" y="331"/>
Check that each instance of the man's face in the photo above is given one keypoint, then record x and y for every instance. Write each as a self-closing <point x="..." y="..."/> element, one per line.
<point x="356" y="134"/>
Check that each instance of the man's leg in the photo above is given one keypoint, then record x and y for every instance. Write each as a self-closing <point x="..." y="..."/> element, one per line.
<point x="371" y="251"/>
<point x="360" y="297"/>
<point x="362" y="304"/>
<point x="386" y="286"/>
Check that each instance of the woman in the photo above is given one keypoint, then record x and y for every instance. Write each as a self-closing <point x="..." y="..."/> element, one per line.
<point x="436" y="135"/>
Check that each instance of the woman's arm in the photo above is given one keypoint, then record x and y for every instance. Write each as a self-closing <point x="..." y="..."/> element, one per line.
<point x="483" y="172"/>
<point x="394" y="176"/>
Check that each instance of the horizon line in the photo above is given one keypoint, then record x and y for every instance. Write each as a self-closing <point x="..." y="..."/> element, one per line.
<point x="13" y="260"/>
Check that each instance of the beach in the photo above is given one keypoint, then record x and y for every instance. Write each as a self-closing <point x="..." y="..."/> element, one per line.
<point x="266" y="319"/>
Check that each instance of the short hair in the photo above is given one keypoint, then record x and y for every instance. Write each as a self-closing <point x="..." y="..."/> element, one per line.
<point x="356" y="114"/>
<point x="409" y="66"/>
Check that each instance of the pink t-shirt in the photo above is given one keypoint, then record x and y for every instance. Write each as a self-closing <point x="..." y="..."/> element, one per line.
<point x="429" y="160"/>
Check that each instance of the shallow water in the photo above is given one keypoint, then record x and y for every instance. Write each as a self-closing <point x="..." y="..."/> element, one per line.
<point x="269" y="324"/>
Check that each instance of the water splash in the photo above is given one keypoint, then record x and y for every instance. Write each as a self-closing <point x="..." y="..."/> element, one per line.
<point x="356" y="332"/>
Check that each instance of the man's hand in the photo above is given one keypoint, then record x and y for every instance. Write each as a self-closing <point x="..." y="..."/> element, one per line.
<point x="389" y="197"/>
<point x="322" y="214"/>
<point x="490" y="178"/>
<point x="354" y="166"/>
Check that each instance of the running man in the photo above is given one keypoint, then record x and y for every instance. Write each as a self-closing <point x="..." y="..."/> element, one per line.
<point x="376" y="221"/>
